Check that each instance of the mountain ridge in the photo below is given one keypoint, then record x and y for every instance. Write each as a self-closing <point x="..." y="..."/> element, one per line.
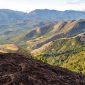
<point x="59" y="30"/>
<point x="15" y="23"/>
<point x="61" y="45"/>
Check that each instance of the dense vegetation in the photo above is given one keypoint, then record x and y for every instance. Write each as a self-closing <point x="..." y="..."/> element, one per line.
<point x="72" y="59"/>
<point x="68" y="53"/>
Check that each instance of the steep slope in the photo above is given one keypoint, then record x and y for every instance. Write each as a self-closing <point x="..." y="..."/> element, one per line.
<point x="67" y="52"/>
<point x="75" y="62"/>
<point x="61" y="45"/>
<point x="38" y="32"/>
<point x="17" y="70"/>
<point x="57" y="31"/>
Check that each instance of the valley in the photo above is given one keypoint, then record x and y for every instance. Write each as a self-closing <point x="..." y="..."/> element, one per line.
<point x="51" y="36"/>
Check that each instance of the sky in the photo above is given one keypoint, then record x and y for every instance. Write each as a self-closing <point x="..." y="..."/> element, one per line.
<point x="29" y="5"/>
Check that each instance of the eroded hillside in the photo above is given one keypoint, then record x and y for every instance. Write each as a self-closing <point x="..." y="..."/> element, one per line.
<point x="57" y="31"/>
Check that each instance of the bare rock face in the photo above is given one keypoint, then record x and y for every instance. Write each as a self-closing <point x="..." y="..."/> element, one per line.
<point x="17" y="70"/>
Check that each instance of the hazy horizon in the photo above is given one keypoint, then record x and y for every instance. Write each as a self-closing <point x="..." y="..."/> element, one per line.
<point x="30" y="5"/>
<point x="41" y="9"/>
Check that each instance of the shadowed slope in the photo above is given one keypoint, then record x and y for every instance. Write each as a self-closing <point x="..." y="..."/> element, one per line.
<point x="18" y="70"/>
<point x="57" y="31"/>
<point x="59" y="46"/>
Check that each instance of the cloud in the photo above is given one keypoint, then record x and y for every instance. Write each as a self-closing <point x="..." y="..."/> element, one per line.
<point x="29" y="5"/>
<point x="76" y="2"/>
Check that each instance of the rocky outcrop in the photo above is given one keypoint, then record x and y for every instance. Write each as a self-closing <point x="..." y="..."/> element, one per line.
<point x="17" y="70"/>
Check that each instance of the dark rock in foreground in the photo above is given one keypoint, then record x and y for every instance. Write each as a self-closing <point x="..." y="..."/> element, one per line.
<point x="18" y="70"/>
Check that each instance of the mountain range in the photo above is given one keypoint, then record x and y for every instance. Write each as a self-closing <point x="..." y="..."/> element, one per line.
<point x="54" y="37"/>
<point x="39" y="15"/>
<point x="14" y="23"/>
<point x="58" y="30"/>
